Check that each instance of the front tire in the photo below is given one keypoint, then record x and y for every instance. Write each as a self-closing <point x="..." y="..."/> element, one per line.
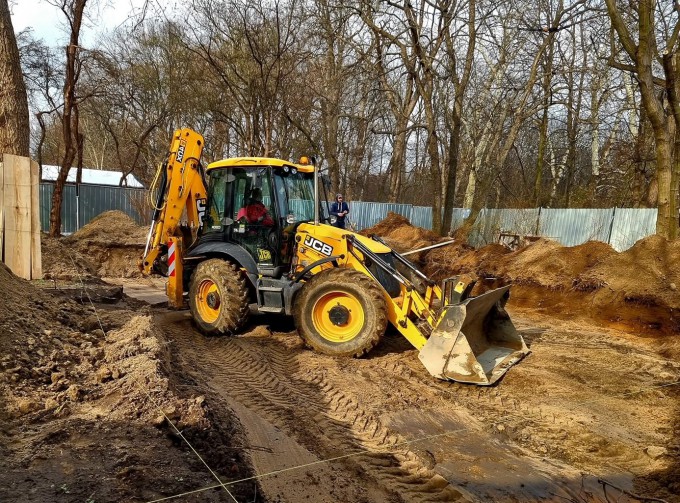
<point x="341" y="312"/>
<point x="218" y="297"/>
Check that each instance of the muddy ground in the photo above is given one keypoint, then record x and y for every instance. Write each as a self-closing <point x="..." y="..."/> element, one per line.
<point x="88" y="411"/>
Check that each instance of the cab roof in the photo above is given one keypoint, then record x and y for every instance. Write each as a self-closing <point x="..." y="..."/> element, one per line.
<point x="259" y="162"/>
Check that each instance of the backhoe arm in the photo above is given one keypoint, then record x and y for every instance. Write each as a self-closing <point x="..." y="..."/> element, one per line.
<point x="180" y="186"/>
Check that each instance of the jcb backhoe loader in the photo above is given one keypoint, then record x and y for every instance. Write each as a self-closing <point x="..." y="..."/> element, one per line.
<point x="341" y="288"/>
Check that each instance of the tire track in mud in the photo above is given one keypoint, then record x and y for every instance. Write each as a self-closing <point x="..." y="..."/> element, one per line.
<point x="313" y="398"/>
<point x="586" y="404"/>
<point x="265" y="377"/>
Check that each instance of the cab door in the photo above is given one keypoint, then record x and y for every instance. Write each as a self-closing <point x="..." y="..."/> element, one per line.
<point x="256" y="235"/>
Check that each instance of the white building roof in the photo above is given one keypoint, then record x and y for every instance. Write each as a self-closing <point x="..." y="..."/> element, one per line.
<point x="91" y="177"/>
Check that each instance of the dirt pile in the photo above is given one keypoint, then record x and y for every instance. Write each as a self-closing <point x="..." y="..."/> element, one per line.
<point x="633" y="290"/>
<point x="113" y="228"/>
<point x="399" y="234"/>
<point x="63" y="262"/>
<point x="110" y="245"/>
<point x="85" y="397"/>
<point x="647" y="272"/>
<point x="553" y="266"/>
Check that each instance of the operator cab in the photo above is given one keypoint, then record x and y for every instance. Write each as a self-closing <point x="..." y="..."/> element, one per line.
<point x="256" y="203"/>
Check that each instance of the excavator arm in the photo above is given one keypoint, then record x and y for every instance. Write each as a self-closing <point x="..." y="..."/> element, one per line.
<point x="179" y="186"/>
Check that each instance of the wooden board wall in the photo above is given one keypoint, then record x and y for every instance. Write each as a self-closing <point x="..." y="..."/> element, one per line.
<point x="36" y="251"/>
<point x="17" y="208"/>
<point x="2" y="211"/>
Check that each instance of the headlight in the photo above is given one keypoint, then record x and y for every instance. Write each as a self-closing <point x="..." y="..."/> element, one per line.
<point x="334" y="219"/>
<point x="290" y="219"/>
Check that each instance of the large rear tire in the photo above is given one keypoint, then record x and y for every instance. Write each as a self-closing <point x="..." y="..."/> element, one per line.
<point x="341" y="312"/>
<point x="218" y="297"/>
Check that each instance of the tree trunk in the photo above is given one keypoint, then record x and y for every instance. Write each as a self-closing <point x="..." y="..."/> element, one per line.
<point x="397" y="166"/>
<point x="675" y="188"/>
<point x="69" y="120"/>
<point x="665" y="221"/>
<point x="543" y="126"/>
<point x="454" y="154"/>
<point x="644" y="53"/>
<point x="540" y="158"/>
<point x="14" y="125"/>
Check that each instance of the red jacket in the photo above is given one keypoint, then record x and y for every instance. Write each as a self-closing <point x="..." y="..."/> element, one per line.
<point x="256" y="211"/>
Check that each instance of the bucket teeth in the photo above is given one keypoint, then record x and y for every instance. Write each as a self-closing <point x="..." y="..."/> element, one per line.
<point x="474" y="341"/>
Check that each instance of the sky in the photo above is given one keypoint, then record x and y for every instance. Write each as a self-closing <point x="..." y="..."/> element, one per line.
<point x="48" y="22"/>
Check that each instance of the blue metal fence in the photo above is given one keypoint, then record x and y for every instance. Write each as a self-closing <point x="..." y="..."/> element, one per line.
<point x="620" y="227"/>
<point x="93" y="200"/>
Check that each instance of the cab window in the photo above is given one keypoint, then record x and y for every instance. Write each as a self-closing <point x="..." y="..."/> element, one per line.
<point x="217" y="200"/>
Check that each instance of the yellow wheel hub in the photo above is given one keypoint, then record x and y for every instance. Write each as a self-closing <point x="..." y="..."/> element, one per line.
<point x="208" y="301"/>
<point x="338" y="316"/>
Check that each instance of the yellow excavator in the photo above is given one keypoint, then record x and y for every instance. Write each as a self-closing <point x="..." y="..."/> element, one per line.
<point x="251" y="230"/>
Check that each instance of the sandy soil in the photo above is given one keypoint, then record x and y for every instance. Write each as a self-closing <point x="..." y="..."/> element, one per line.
<point x="87" y="410"/>
<point x="587" y="404"/>
<point x="109" y="245"/>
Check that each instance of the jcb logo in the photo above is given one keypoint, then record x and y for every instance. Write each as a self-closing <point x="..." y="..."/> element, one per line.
<point x="180" y="150"/>
<point x="319" y="246"/>
<point x="200" y="208"/>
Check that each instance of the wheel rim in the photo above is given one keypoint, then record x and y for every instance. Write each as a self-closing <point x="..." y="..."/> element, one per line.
<point x="338" y="316"/>
<point x="208" y="301"/>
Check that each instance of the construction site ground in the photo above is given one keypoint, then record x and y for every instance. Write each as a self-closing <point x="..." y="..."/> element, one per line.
<point x="107" y="395"/>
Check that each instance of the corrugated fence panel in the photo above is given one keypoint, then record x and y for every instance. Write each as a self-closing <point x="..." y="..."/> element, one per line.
<point x="93" y="200"/>
<point x="621" y="227"/>
<point x="68" y="207"/>
<point x="458" y="217"/>
<point x="573" y="226"/>
<point x="68" y="210"/>
<point x="365" y="215"/>
<point x="630" y="225"/>
<point x="486" y="225"/>
<point x="492" y="222"/>
<point x="421" y="216"/>
<point x="45" y="205"/>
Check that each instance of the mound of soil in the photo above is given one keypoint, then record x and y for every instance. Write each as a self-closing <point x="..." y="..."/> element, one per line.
<point x="647" y="272"/>
<point x="459" y="258"/>
<point x="110" y="245"/>
<point x="633" y="290"/>
<point x="553" y="266"/>
<point x="85" y="397"/>
<point x="64" y="262"/>
<point x="400" y="235"/>
<point x="112" y="228"/>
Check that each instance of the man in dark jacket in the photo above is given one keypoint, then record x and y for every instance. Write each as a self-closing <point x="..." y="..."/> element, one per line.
<point x="340" y="209"/>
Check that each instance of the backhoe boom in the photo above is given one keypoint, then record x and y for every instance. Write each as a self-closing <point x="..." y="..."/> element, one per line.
<point x="180" y="186"/>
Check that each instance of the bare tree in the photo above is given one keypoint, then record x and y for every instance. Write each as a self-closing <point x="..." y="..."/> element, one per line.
<point x="73" y="140"/>
<point x="649" y="37"/>
<point x="460" y="77"/>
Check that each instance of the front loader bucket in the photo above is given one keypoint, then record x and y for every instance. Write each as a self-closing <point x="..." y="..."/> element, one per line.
<point x="474" y="341"/>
